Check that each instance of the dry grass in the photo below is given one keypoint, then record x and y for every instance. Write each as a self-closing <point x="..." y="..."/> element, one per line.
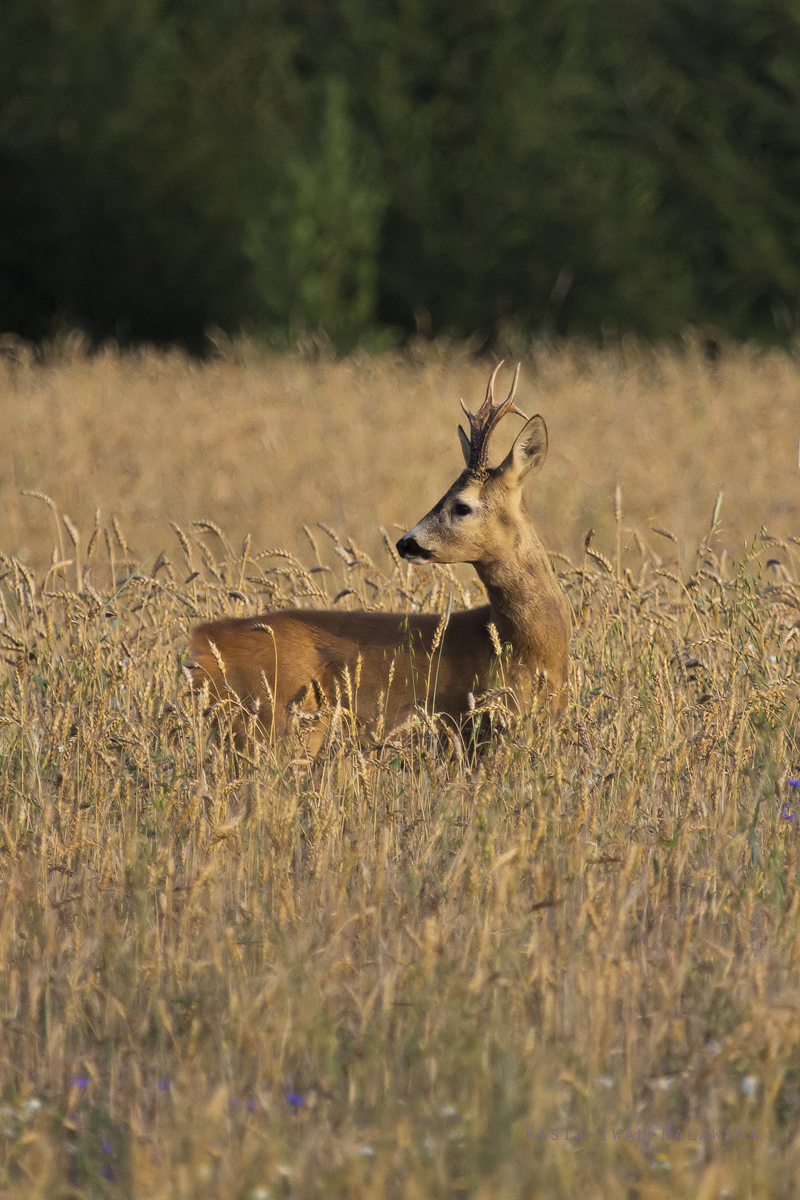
<point x="391" y="971"/>
<point x="264" y="446"/>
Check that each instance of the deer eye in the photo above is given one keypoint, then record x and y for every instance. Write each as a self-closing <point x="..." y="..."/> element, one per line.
<point x="460" y="509"/>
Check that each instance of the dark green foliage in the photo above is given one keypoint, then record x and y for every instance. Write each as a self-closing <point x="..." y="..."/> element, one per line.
<point x="532" y="166"/>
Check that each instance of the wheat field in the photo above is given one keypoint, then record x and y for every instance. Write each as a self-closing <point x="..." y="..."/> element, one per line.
<point x="567" y="966"/>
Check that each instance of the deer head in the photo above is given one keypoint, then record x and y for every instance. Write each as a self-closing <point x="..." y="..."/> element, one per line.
<point x="477" y="520"/>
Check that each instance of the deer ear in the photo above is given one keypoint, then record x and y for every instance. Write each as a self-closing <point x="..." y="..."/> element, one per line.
<point x="528" y="452"/>
<point x="465" y="447"/>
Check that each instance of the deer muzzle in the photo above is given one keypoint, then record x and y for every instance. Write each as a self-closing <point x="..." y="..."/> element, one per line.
<point x="409" y="548"/>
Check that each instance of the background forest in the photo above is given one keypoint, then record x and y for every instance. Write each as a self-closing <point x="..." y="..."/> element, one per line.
<point x="498" y="167"/>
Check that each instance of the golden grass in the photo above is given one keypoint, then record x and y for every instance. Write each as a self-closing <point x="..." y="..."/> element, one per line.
<point x="264" y="446"/>
<point x="392" y="971"/>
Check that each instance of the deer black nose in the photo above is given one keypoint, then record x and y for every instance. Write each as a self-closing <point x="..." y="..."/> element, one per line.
<point x="409" y="547"/>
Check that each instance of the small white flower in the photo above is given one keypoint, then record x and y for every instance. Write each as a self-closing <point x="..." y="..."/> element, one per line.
<point x="366" y="1151"/>
<point x="749" y="1085"/>
<point x="449" y="1110"/>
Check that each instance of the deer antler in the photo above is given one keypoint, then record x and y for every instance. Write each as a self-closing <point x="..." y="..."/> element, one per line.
<point x="483" y="422"/>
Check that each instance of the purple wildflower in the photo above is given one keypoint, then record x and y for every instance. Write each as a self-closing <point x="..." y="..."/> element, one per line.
<point x="793" y="783"/>
<point x="786" y="815"/>
<point x="81" y="1082"/>
<point x="164" y="1085"/>
<point x="295" y="1100"/>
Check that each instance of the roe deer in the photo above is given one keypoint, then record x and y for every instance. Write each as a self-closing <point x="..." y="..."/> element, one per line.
<point x="384" y="664"/>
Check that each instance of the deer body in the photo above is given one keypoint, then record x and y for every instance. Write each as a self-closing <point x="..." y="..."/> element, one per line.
<point x="382" y="665"/>
<point x="375" y="663"/>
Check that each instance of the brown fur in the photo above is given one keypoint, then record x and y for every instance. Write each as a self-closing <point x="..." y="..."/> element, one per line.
<point x="381" y="665"/>
<point x="311" y="659"/>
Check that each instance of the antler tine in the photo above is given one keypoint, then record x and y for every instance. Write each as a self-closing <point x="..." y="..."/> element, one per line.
<point x="489" y="400"/>
<point x="510" y="398"/>
<point x="483" y="422"/>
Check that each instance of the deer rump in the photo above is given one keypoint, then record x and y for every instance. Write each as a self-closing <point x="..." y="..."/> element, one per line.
<point x="379" y="666"/>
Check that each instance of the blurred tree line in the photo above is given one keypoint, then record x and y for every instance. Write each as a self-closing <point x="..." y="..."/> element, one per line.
<point x="358" y="166"/>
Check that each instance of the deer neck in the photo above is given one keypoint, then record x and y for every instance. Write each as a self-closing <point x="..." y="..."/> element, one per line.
<point x="526" y="603"/>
